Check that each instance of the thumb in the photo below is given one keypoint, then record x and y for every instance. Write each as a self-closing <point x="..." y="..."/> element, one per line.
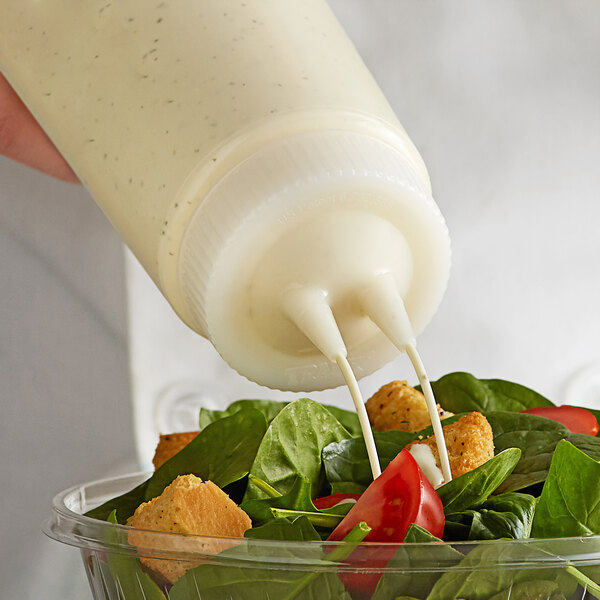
<point x="23" y="140"/>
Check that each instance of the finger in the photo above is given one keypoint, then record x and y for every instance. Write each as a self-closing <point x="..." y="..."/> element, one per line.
<point x="23" y="140"/>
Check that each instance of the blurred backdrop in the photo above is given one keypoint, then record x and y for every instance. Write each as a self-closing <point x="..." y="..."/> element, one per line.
<point x="501" y="97"/>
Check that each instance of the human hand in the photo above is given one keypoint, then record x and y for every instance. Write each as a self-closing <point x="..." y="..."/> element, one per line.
<point x="23" y="140"/>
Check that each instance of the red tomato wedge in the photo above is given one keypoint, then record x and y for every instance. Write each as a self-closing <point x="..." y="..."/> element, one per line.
<point x="574" y="418"/>
<point x="330" y="501"/>
<point x="401" y="495"/>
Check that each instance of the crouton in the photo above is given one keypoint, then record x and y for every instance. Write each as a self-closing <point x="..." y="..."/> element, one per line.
<point x="170" y="444"/>
<point x="470" y="443"/>
<point x="397" y="406"/>
<point x="188" y="506"/>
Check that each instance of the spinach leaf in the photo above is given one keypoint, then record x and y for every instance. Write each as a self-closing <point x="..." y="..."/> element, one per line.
<point x="588" y="444"/>
<point x="300" y="530"/>
<point x="473" y="488"/>
<point x="412" y="570"/>
<point x="222" y="453"/>
<point x="348" y="418"/>
<point x="298" y="498"/>
<point x="568" y="506"/>
<point x="589" y="585"/>
<point x="537" y="438"/>
<point x="271" y="408"/>
<point x="531" y="590"/>
<point x="295" y="503"/>
<point x="132" y="582"/>
<point x="220" y="582"/>
<point x="234" y="575"/>
<point x="419" y="535"/>
<point x="123" y="506"/>
<point x="462" y="392"/>
<point x="507" y="515"/>
<point x="292" y="448"/>
<point x="347" y="464"/>
<point x="488" y="570"/>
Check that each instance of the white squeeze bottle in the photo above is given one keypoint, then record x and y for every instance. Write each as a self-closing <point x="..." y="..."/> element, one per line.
<point x="247" y="157"/>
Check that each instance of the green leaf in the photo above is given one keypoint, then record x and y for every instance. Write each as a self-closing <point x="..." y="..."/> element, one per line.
<point x="300" y="529"/>
<point x="219" y="582"/>
<point x="298" y="498"/>
<point x="222" y="453"/>
<point x="473" y="488"/>
<point x="347" y="464"/>
<point x="462" y="392"/>
<point x="125" y="569"/>
<point x="586" y="443"/>
<point x="223" y="579"/>
<point x="485" y="572"/>
<point x="348" y="418"/>
<point x="271" y="408"/>
<point x="321" y="519"/>
<point x="123" y="506"/>
<point x="531" y="590"/>
<point x="507" y="515"/>
<point x="537" y="438"/>
<point x="398" y="578"/>
<point x="292" y="448"/>
<point x="591" y="572"/>
<point x="589" y="585"/>
<point x="419" y="535"/>
<point x="568" y="506"/>
<point x="295" y="503"/>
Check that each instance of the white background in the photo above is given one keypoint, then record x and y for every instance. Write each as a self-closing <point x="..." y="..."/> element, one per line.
<point x="503" y="100"/>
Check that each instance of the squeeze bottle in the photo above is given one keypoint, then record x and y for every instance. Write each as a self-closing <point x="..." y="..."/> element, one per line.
<point x="247" y="157"/>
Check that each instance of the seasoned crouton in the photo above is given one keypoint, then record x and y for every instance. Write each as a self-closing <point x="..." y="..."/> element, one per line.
<point x="189" y="506"/>
<point x="397" y="406"/>
<point x="170" y="444"/>
<point x="470" y="443"/>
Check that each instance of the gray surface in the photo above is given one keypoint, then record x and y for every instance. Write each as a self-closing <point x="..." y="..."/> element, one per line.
<point x="63" y="367"/>
<point x="502" y="98"/>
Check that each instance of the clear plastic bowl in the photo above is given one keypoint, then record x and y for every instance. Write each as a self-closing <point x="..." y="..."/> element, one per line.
<point x="275" y="570"/>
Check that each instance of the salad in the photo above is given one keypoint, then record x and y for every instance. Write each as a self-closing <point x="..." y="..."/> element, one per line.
<point x="299" y="473"/>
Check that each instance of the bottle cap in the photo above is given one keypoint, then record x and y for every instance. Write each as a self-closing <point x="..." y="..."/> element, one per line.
<point x="324" y="212"/>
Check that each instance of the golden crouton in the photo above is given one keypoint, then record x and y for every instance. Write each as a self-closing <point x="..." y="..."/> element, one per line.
<point x="170" y="444"/>
<point x="470" y="443"/>
<point x="188" y="506"/>
<point x="400" y="407"/>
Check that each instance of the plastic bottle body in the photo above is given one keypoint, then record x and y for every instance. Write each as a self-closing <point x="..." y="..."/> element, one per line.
<point x="156" y="104"/>
<point x="137" y="95"/>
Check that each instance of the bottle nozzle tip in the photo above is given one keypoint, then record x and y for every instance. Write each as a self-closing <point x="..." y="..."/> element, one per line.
<point x="383" y="304"/>
<point x="309" y="310"/>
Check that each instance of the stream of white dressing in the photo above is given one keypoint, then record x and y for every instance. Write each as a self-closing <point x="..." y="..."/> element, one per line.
<point x="363" y="417"/>
<point x="440" y="441"/>
<point x="308" y="308"/>
<point x="361" y="411"/>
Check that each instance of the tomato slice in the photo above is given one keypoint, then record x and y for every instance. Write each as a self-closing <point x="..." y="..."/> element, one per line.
<point x="574" y="418"/>
<point x="400" y="496"/>
<point x="330" y="501"/>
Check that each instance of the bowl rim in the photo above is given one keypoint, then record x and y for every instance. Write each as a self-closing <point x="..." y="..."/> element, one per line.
<point x="87" y="533"/>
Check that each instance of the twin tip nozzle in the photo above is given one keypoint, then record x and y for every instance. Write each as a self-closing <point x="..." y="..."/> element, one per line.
<point x="379" y="299"/>
<point x="310" y="311"/>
